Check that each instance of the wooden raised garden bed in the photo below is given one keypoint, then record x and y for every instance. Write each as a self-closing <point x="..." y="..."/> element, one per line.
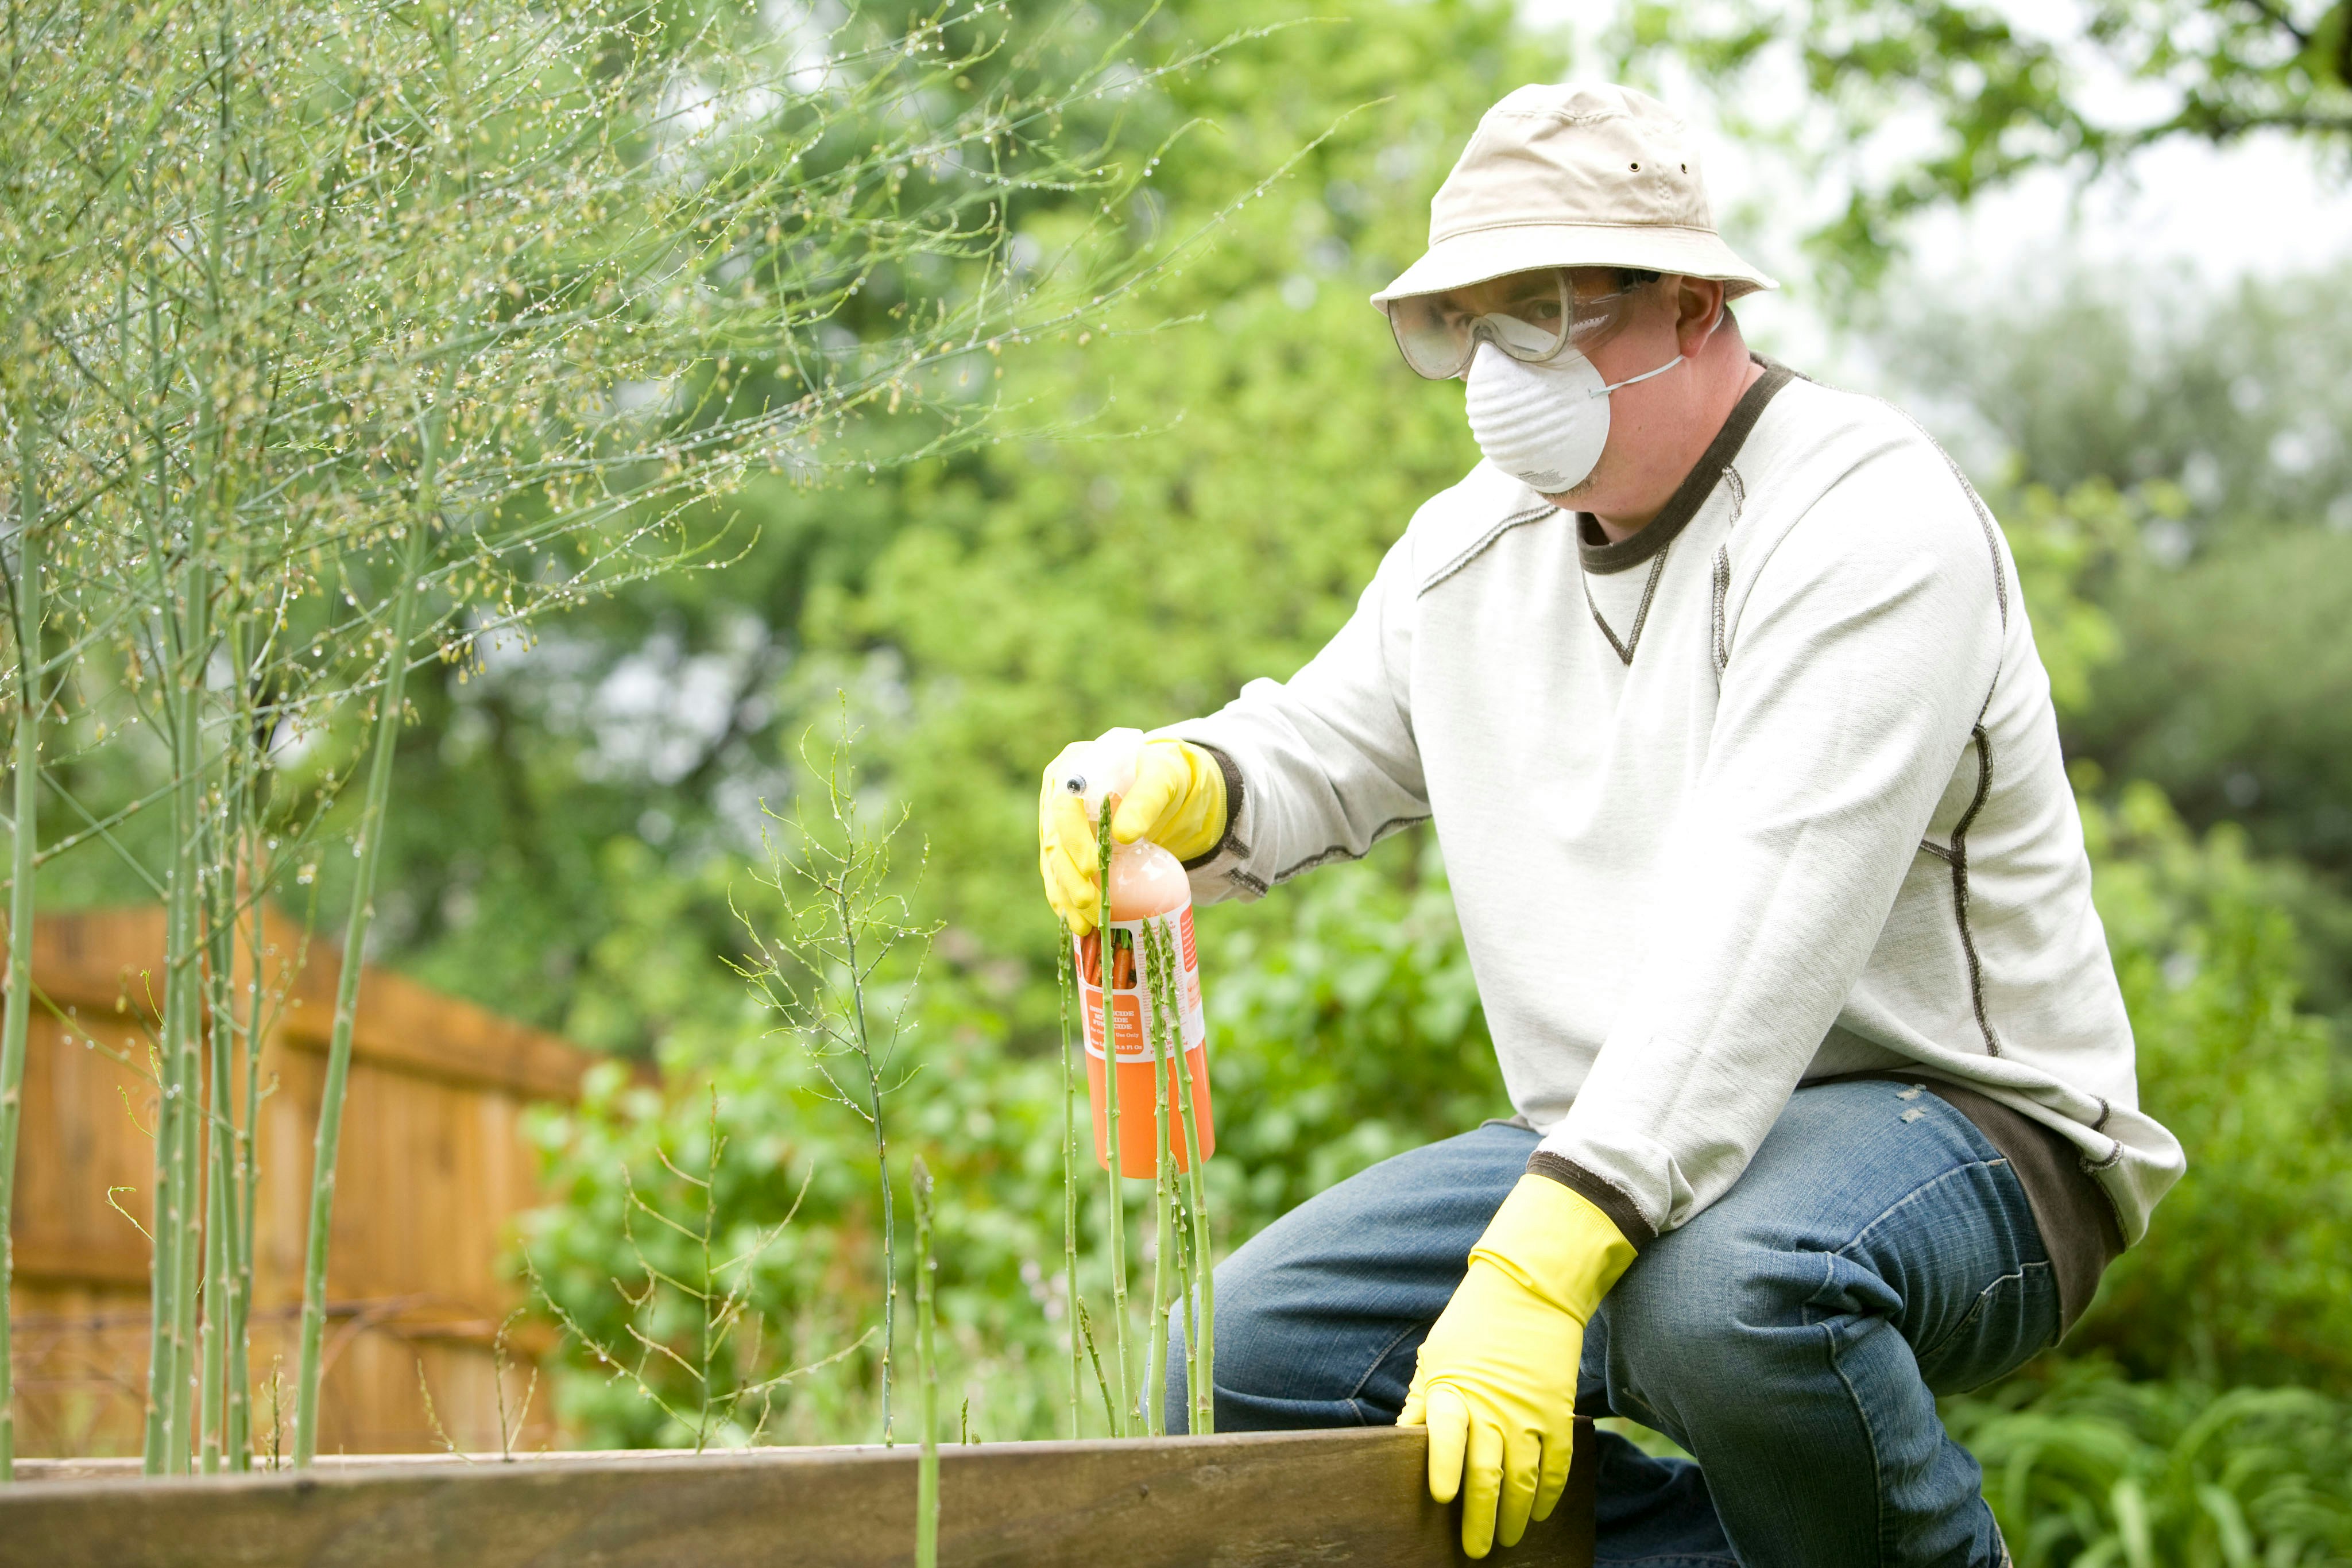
<point x="1240" y="1502"/>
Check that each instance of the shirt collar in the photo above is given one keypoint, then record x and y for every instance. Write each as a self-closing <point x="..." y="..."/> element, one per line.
<point x="1602" y="558"/>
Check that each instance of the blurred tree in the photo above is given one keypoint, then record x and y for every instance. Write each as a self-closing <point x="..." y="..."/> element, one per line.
<point x="2131" y="376"/>
<point x="982" y="608"/>
<point x="2239" y="699"/>
<point x="2224" y="566"/>
<point x="2005" y="95"/>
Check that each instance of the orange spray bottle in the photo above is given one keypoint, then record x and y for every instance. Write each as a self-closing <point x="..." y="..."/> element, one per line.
<point x="1148" y="885"/>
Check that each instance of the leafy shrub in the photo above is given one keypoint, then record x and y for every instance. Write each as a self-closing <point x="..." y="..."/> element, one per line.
<point x="1347" y="1033"/>
<point x="2092" y="1470"/>
<point x="1351" y="1036"/>
<point x="2246" y="1274"/>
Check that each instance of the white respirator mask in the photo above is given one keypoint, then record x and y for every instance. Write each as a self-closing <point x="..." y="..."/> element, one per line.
<point x="1545" y="422"/>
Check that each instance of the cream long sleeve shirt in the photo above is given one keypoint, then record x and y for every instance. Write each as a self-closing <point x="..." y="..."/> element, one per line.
<point x="1771" y="792"/>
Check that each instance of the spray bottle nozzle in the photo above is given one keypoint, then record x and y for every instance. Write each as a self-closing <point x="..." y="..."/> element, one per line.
<point x="1105" y="767"/>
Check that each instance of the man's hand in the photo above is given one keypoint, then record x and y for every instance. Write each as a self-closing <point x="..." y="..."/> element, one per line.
<point x="1178" y="801"/>
<point x="1497" y="1378"/>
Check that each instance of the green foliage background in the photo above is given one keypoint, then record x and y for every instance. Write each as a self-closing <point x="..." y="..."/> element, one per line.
<point x="1188" y="492"/>
<point x="1232" y="478"/>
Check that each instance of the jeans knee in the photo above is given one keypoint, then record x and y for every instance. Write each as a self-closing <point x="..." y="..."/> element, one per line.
<point x="1690" y="1324"/>
<point x="1252" y="1349"/>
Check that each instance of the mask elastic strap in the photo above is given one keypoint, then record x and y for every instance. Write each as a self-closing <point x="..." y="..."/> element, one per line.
<point x="1670" y="364"/>
<point x="1645" y="376"/>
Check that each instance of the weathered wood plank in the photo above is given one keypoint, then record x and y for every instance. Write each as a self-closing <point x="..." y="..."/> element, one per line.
<point x="1268" y="1501"/>
<point x="433" y="1170"/>
<point x="111" y="961"/>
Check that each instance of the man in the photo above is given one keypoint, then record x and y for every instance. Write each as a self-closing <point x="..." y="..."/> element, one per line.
<point x="1717" y="689"/>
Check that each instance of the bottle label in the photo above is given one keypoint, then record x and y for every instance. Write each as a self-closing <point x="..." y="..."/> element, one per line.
<point x="1131" y="1004"/>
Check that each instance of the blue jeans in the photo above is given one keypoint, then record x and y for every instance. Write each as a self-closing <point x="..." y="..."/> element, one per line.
<point x="1878" y="1251"/>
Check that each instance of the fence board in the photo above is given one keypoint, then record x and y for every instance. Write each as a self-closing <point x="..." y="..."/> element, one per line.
<point x="1351" y="1497"/>
<point x="433" y="1171"/>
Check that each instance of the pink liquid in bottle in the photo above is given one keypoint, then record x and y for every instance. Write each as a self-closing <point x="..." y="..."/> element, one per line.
<point x="1148" y="886"/>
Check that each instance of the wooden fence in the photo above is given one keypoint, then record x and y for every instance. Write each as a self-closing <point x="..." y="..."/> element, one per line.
<point x="433" y="1169"/>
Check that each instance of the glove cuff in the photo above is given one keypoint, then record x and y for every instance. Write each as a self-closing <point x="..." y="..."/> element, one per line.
<point x="1556" y="1244"/>
<point x="1202" y="805"/>
<point x="1229" y="805"/>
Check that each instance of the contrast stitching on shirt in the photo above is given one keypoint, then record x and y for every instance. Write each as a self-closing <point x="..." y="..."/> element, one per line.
<point x="2091" y="1168"/>
<point x="1984" y="514"/>
<point x="1722" y="587"/>
<point x="1933" y="848"/>
<point x="1959" y="857"/>
<point x="1480" y="548"/>
<point x="1991" y="534"/>
<point x="1641" y="616"/>
<point x="2105" y="1111"/>
<point x="1739" y="488"/>
<point x="1342" y="853"/>
<point x="1255" y="886"/>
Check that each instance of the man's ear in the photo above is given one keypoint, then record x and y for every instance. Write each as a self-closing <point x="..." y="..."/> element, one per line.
<point x="1698" y="310"/>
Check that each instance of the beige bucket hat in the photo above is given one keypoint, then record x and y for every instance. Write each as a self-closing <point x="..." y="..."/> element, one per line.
<point x="1574" y="176"/>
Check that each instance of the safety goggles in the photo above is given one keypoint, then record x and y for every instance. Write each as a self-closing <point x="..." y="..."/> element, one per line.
<point x="1534" y="317"/>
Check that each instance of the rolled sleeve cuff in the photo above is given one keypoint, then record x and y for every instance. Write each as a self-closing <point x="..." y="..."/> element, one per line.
<point x="1235" y="796"/>
<point x="1600" y="1193"/>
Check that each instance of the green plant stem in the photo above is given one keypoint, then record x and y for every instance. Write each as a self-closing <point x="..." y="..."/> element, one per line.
<point x="212" y="1337"/>
<point x="706" y="1292"/>
<point x="220" y="1285"/>
<point x="1164" y="991"/>
<point x="347" y="989"/>
<point x="927" y="1487"/>
<point x="1201" y="1348"/>
<point x="155" y="1443"/>
<point x="16" y="1022"/>
<point x="1189" y="1277"/>
<point x="240" y="1029"/>
<point x="182" y="1244"/>
<point x="1109" y="968"/>
<point x="1070" y="1182"/>
<point x="881" y="1152"/>
<point x="211" y="1413"/>
<point x="237" y="1421"/>
<point x="1163" y="1189"/>
<point x="1087" y="1330"/>
<point x="186" y="979"/>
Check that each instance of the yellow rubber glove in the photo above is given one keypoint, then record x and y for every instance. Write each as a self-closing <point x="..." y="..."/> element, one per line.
<point x="1178" y="803"/>
<point x="1497" y="1378"/>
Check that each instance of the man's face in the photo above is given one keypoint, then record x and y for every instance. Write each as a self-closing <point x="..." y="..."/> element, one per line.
<point x="1625" y="332"/>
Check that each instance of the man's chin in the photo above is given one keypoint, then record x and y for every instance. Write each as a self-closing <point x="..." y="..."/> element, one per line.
<point x="1578" y="498"/>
